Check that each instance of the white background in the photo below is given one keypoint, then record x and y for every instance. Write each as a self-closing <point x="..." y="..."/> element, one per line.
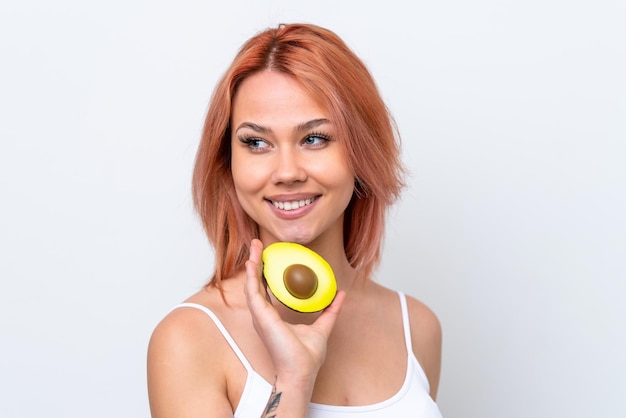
<point x="512" y="228"/>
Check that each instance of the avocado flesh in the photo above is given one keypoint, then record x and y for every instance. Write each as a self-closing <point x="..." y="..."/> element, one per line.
<point x="301" y="294"/>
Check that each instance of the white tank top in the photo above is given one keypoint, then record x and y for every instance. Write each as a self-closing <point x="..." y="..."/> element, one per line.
<point x="412" y="400"/>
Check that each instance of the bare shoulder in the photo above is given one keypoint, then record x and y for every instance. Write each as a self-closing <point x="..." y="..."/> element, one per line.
<point x="424" y="322"/>
<point x="185" y="372"/>
<point x="426" y="337"/>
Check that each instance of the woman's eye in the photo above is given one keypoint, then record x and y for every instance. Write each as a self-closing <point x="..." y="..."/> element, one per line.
<point x="316" y="140"/>
<point x="254" y="143"/>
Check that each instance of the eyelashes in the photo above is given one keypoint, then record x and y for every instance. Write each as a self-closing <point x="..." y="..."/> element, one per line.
<point x="311" y="140"/>
<point x="248" y="140"/>
<point x="324" y="137"/>
<point x="253" y="143"/>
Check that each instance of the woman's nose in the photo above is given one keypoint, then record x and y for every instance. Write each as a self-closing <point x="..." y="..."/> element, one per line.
<point x="289" y="167"/>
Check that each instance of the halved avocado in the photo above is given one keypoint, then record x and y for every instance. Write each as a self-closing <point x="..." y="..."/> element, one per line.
<point x="299" y="277"/>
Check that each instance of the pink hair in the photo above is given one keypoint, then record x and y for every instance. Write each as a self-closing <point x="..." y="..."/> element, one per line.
<point x="332" y="73"/>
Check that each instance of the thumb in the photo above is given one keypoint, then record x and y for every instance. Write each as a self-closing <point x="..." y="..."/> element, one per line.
<point x="253" y="288"/>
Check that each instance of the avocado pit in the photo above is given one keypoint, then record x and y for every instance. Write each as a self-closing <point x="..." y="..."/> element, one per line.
<point x="300" y="281"/>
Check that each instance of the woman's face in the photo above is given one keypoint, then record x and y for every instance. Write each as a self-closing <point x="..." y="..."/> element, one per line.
<point x="290" y="173"/>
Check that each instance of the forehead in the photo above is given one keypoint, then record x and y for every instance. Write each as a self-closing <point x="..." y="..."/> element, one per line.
<point x="272" y="98"/>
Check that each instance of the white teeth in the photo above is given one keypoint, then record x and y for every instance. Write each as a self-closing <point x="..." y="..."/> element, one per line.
<point x="296" y="204"/>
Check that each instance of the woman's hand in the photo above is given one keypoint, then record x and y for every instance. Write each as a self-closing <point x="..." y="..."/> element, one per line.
<point x="297" y="350"/>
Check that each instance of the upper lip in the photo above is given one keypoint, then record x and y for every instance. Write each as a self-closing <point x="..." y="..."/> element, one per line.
<point x="291" y="197"/>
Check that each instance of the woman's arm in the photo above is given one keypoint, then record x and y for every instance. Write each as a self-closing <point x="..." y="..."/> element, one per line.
<point x="297" y="351"/>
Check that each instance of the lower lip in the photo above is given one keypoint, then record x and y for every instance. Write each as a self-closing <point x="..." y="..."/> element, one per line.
<point x="294" y="213"/>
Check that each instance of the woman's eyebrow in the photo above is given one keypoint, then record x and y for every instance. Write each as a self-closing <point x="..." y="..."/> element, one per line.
<point x="314" y="123"/>
<point x="255" y="127"/>
<point x="304" y="126"/>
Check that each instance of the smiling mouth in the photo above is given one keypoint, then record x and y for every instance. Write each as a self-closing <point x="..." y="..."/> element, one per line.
<point x="292" y="205"/>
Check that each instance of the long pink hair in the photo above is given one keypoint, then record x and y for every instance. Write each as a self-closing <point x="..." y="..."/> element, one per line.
<point x="319" y="60"/>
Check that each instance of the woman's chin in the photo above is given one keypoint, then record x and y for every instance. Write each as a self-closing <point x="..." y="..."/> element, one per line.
<point x="297" y="238"/>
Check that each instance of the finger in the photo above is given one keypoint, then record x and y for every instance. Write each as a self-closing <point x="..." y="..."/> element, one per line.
<point x="255" y="292"/>
<point x="251" y="284"/>
<point x="256" y="254"/>
<point x="327" y="319"/>
<point x="256" y="249"/>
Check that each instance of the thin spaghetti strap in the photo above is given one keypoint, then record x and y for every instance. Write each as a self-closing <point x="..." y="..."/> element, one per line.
<point x="223" y="330"/>
<point x="405" y="322"/>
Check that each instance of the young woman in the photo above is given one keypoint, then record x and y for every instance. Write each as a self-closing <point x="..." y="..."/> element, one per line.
<point x="298" y="146"/>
